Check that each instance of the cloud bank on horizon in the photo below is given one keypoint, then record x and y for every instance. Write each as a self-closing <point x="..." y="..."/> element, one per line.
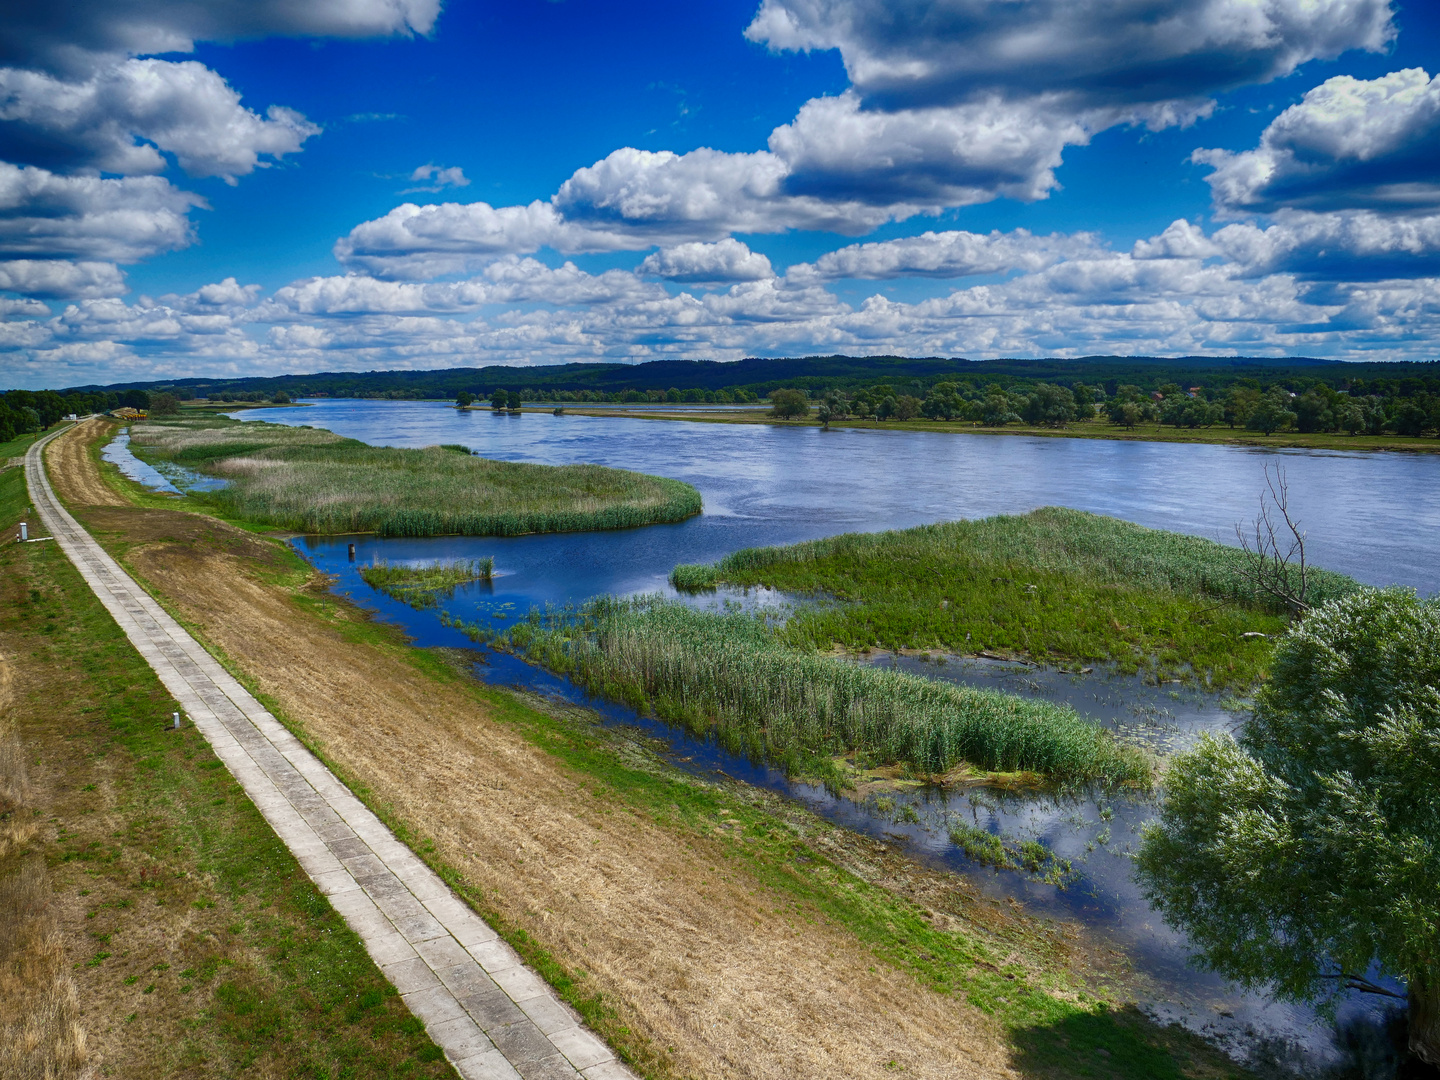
<point x="1320" y="236"/>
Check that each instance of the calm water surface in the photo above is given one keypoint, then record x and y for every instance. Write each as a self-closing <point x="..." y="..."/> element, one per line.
<point x="1369" y="515"/>
<point x="166" y="476"/>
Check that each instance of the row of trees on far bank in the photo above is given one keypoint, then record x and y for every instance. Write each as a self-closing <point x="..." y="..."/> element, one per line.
<point x="1318" y="409"/>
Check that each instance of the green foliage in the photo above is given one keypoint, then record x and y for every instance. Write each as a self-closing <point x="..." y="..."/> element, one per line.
<point x="1050" y="405"/>
<point x="425" y="585"/>
<point x="314" y="481"/>
<point x="164" y="405"/>
<point x="730" y="674"/>
<point x="1054" y="584"/>
<point x="1056" y="1034"/>
<point x="1309" y="850"/>
<point x="789" y="404"/>
<point x="1271" y="413"/>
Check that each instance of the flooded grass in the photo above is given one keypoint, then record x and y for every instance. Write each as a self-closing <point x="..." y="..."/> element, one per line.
<point x="1060" y="586"/>
<point x="731" y="674"/>
<point x="317" y="482"/>
<point x="1030" y="856"/>
<point x="424" y="586"/>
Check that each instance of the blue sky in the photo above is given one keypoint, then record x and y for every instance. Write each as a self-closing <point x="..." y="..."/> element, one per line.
<point x="192" y="190"/>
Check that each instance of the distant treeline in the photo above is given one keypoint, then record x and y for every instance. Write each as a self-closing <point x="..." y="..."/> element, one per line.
<point x="1406" y="393"/>
<point x="26" y="411"/>
<point x="1364" y="409"/>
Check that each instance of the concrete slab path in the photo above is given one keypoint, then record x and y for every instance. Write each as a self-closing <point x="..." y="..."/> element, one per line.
<point x="492" y="1016"/>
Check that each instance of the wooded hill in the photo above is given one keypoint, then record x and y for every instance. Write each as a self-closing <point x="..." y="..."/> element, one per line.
<point x="815" y="374"/>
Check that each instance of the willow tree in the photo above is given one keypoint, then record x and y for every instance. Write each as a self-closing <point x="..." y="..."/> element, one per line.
<point x="1304" y="857"/>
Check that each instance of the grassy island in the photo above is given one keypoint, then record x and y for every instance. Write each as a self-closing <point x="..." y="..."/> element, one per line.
<point x="425" y="585"/>
<point x="315" y="481"/>
<point x="1055" y="585"/>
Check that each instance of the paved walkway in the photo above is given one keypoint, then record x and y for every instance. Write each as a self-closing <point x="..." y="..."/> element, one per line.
<point x="491" y="1015"/>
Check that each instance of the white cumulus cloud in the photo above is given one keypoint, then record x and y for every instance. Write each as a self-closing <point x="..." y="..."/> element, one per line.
<point x="124" y="118"/>
<point x="61" y="279"/>
<point x="950" y="254"/>
<point x="46" y="216"/>
<point x="80" y="35"/>
<point x="1099" y="53"/>
<point x="436" y="178"/>
<point x="725" y="260"/>
<point x="1349" y="144"/>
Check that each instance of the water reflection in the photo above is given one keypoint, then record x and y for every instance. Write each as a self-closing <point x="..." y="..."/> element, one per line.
<point x="167" y="476"/>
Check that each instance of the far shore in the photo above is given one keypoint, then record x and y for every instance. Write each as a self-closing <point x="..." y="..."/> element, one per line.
<point x="1081" y="429"/>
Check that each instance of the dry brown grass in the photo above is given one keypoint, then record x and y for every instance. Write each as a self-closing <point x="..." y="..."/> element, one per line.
<point x="68" y="457"/>
<point x="41" y="1037"/>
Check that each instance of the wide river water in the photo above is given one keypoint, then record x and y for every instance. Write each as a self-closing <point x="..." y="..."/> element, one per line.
<point x="1370" y="515"/>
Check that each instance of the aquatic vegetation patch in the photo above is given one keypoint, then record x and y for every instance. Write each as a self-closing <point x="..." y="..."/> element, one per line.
<point x="1003" y="853"/>
<point x="731" y="675"/>
<point x="1057" y="585"/>
<point x="318" y="482"/>
<point x="424" y="585"/>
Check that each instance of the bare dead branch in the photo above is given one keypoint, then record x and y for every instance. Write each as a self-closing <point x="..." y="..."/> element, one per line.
<point x="1276" y="555"/>
<point x="1364" y="985"/>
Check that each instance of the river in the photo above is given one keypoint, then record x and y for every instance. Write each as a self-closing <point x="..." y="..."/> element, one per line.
<point x="1370" y="515"/>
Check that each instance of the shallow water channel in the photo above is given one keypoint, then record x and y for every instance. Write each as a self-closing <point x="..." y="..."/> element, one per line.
<point x="163" y="476"/>
<point x="1370" y="515"/>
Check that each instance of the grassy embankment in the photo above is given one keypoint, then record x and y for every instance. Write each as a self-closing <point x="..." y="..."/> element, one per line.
<point x="703" y="928"/>
<point x="729" y="673"/>
<point x="314" y="481"/>
<point x="1080" y="429"/>
<point x="1057" y="586"/>
<point x="151" y="924"/>
<point x="423" y="586"/>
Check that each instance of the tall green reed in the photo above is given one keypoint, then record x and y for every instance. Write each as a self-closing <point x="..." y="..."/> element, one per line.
<point x="726" y="674"/>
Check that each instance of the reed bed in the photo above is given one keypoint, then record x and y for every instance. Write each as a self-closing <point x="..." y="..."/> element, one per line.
<point x="729" y="675"/>
<point x="423" y="586"/>
<point x="1060" y="586"/>
<point x="1052" y="539"/>
<point x="317" y="482"/>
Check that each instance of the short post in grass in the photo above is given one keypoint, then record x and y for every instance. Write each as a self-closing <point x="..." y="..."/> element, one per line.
<point x="175" y="721"/>
<point x="24" y="531"/>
